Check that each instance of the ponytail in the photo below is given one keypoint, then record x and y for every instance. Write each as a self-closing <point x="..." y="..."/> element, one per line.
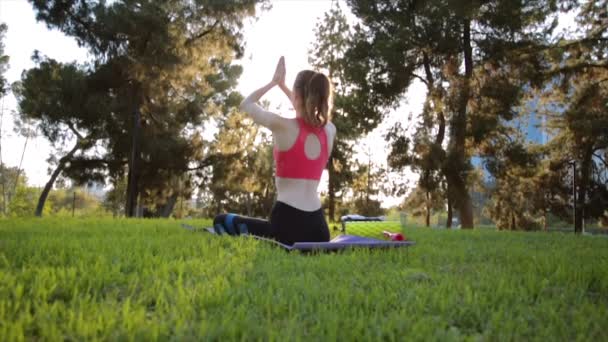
<point x="315" y="91"/>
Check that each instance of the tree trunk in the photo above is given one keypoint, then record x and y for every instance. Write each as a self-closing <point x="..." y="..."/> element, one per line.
<point x="512" y="222"/>
<point x="331" y="191"/>
<point x="582" y="190"/>
<point x="457" y="176"/>
<point x="448" y="223"/>
<point x="331" y="172"/>
<point x="132" y="184"/>
<point x="166" y="210"/>
<point x="3" y="212"/>
<point x="428" y="210"/>
<point x="3" y="172"/>
<point x="462" y="201"/>
<point x="437" y="98"/>
<point x="49" y="185"/>
<point x="369" y="168"/>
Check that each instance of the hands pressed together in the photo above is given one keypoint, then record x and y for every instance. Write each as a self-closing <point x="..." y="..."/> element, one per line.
<point x="279" y="79"/>
<point x="279" y="73"/>
<point x="259" y="115"/>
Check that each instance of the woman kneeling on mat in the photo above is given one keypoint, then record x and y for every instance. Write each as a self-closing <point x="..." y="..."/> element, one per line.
<point x="301" y="149"/>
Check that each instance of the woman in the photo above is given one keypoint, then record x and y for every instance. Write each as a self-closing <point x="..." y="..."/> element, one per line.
<point x="301" y="149"/>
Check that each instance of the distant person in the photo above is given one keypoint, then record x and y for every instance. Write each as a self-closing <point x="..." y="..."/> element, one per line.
<point x="301" y="150"/>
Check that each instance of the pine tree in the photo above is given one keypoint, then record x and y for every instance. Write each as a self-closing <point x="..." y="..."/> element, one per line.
<point x="367" y="185"/>
<point x="333" y="34"/>
<point x="515" y="193"/>
<point x="62" y="104"/>
<point x="424" y="154"/>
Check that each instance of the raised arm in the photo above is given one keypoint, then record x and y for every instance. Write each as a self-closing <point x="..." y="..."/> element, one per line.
<point x="259" y="114"/>
<point x="287" y="92"/>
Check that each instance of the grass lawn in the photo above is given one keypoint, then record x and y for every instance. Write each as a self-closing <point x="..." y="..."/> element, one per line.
<point x="77" y="279"/>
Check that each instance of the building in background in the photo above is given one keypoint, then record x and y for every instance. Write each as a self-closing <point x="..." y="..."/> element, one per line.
<point x="532" y="125"/>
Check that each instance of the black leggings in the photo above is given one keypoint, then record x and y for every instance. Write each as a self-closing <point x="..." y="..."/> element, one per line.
<point x="287" y="225"/>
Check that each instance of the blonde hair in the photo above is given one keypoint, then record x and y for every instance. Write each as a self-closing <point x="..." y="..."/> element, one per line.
<point x="314" y="89"/>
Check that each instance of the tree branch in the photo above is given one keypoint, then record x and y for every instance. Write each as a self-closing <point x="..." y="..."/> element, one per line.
<point x="74" y="130"/>
<point x="421" y="79"/>
<point x="427" y="70"/>
<point x="566" y="44"/>
<point x="210" y="160"/>
<point x="202" y="34"/>
<point x="601" y="159"/>
<point x="577" y="66"/>
<point x="98" y="160"/>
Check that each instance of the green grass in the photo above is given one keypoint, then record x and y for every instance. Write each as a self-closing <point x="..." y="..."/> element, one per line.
<point x="371" y="229"/>
<point x="77" y="279"/>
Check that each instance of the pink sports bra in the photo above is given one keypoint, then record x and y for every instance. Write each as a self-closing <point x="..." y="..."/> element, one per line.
<point x="294" y="163"/>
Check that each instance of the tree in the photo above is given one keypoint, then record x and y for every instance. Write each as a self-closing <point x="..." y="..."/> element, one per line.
<point x="576" y="109"/>
<point x="513" y="203"/>
<point x="332" y="36"/>
<point x="23" y="202"/>
<point x="21" y="198"/>
<point x="114" y="201"/>
<point x="3" y="67"/>
<point x="448" y="45"/>
<point x="367" y="184"/>
<point x="63" y="104"/>
<point x="578" y="145"/>
<point x="72" y="200"/>
<point x="242" y="179"/>
<point x="4" y="59"/>
<point x="167" y="67"/>
<point x="423" y="155"/>
<point x="421" y="202"/>
<point x="8" y="177"/>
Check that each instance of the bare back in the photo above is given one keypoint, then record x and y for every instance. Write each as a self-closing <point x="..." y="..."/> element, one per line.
<point x="300" y="193"/>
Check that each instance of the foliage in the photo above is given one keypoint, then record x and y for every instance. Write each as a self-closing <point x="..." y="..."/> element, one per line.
<point x="8" y="177"/>
<point x="4" y="59"/>
<point x="62" y="101"/>
<point x="242" y="177"/>
<point x="23" y="202"/>
<point x="78" y="200"/>
<point x="474" y="59"/>
<point x="115" y="199"/>
<point x="421" y="203"/>
<point x="367" y="207"/>
<point x="151" y="280"/>
<point x="168" y="68"/>
<point x="515" y="195"/>
<point x="423" y="155"/>
<point x="332" y="36"/>
<point x="367" y="184"/>
<point x="64" y="104"/>
<point x="575" y="105"/>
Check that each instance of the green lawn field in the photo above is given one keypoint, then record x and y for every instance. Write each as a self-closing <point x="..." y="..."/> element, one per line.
<point x="145" y="280"/>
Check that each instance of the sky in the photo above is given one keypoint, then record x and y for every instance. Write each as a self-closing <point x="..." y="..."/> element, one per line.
<point x="25" y="35"/>
<point x="285" y="30"/>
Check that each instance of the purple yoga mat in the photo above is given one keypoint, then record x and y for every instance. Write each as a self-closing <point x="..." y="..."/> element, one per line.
<point x="350" y="241"/>
<point x="338" y="243"/>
